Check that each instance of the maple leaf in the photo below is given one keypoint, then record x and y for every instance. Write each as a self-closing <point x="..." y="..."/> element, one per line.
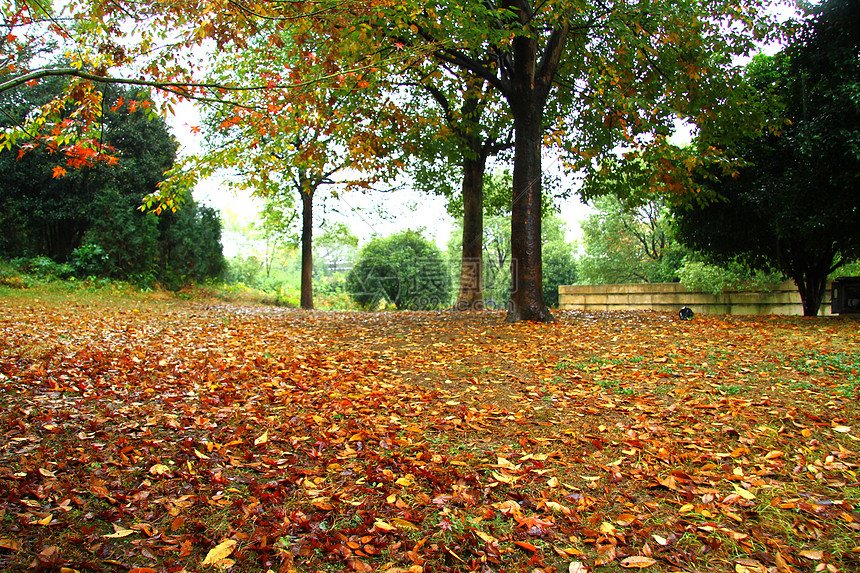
<point x="58" y="172"/>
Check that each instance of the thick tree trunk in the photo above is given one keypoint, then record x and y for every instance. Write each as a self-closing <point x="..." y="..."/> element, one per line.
<point x="307" y="287"/>
<point x="811" y="286"/>
<point x="471" y="296"/>
<point x="527" y="301"/>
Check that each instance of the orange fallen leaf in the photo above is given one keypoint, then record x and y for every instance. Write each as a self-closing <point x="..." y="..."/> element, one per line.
<point x="814" y="554"/>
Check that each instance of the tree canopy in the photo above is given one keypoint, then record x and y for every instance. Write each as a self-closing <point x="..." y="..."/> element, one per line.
<point x="795" y="206"/>
<point x="98" y="203"/>
<point x="583" y="76"/>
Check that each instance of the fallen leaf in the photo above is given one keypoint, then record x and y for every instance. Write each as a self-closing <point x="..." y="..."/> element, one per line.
<point x="10" y="543"/>
<point x="118" y="532"/>
<point x="262" y="438"/>
<point x="814" y="554"/>
<point x="218" y="554"/>
<point x="577" y="567"/>
<point x="637" y="562"/>
<point x="159" y="470"/>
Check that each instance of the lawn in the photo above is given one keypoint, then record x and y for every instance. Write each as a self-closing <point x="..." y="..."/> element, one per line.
<point x="148" y="433"/>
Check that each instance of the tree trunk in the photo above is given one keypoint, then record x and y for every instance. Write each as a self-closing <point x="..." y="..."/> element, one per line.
<point x="527" y="301"/>
<point x="811" y="290"/>
<point x="471" y="296"/>
<point x="307" y="288"/>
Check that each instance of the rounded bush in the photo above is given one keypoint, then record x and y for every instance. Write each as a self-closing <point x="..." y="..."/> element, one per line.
<point x="404" y="269"/>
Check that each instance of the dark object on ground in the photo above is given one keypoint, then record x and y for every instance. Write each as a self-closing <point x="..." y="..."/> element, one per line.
<point x="685" y="314"/>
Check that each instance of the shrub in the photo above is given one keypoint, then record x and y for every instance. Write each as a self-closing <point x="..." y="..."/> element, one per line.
<point x="404" y="269"/>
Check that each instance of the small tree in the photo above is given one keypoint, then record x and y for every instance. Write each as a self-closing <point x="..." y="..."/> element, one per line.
<point x="404" y="269"/>
<point x="629" y="244"/>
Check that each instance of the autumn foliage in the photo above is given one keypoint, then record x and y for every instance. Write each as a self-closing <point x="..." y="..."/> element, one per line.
<point x="163" y="435"/>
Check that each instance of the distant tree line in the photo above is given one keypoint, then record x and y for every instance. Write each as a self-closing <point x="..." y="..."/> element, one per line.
<point x="90" y="218"/>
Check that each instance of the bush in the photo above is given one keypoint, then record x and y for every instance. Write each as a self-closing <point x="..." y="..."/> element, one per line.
<point x="89" y="260"/>
<point x="404" y="269"/>
<point x="702" y="277"/>
<point x="42" y="267"/>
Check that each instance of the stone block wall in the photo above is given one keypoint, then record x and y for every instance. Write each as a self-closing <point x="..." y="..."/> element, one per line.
<point x="783" y="298"/>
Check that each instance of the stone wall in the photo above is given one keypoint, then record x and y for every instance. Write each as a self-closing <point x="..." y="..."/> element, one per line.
<point x="670" y="297"/>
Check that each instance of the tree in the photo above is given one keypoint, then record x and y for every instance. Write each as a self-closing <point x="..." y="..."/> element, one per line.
<point x="98" y="204"/>
<point x="559" y="263"/>
<point x="525" y="50"/>
<point x="629" y="244"/>
<point x="404" y="269"/>
<point x="472" y="128"/>
<point x="623" y="72"/>
<point x="282" y="142"/>
<point x="795" y="205"/>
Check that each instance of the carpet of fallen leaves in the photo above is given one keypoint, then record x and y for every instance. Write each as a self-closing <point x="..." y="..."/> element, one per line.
<point x="161" y="435"/>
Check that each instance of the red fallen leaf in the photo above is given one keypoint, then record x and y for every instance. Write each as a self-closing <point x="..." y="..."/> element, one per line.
<point x="526" y="545"/>
<point x="142" y="570"/>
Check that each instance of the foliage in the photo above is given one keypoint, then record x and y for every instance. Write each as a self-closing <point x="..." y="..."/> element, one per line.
<point x="404" y="270"/>
<point x="624" y="244"/>
<point x="794" y="207"/>
<point x="249" y="440"/>
<point x="97" y="207"/>
<point x="89" y="260"/>
<point x="559" y="260"/>
<point x="335" y="249"/>
<point x="697" y="275"/>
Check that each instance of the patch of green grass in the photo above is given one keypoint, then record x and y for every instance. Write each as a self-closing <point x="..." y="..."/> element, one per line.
<point x="730" y="389"/>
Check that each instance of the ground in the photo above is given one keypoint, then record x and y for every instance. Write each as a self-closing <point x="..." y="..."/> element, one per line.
<point x="149" y="433"/>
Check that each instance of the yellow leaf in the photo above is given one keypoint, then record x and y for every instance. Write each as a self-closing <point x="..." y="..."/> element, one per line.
<point x="637" y="562"/>
<point x="384" y="526"/>
<point x="403" y="524"/>
<point x="262" y="439"/>
<point x="607" y="528"/>
<point x="220" y="552"/>
<point x="504" y="478"/>
<point x="159" y="470"/>
<point x="486" y="537"/>
<point x="744" y="493"/>
<point x="119" y="531"/>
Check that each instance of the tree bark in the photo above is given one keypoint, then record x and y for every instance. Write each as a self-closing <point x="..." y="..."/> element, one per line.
<point x="527" y="301"/>
<point x="471" y="296"/>
<point x="307" y="287"/>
